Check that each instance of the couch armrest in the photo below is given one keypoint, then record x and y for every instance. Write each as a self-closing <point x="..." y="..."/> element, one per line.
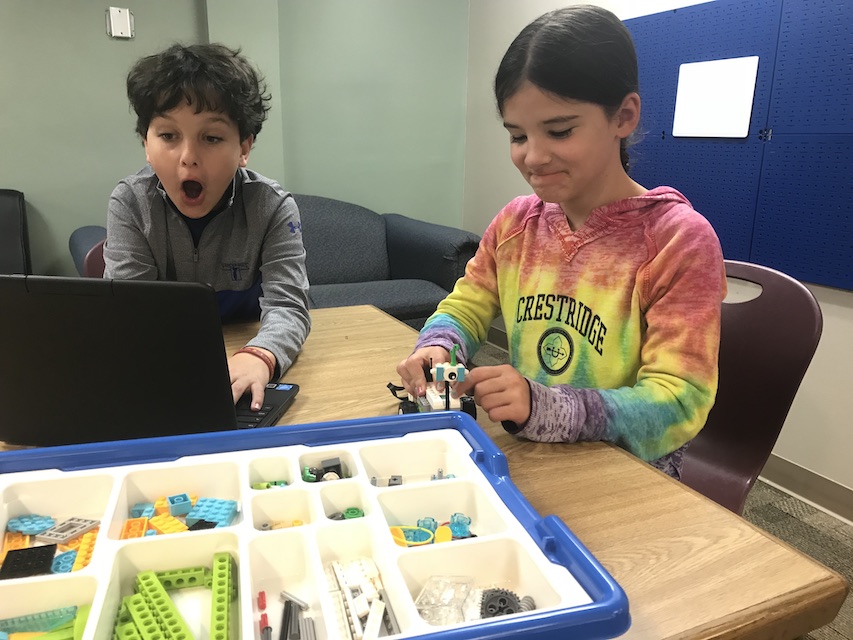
<point x="427" y="251"/>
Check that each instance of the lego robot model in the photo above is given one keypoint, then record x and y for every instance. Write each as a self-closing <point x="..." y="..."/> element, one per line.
<point x="440" y="376"/>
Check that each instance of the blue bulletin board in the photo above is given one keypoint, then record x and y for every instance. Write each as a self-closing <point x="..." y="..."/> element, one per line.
<point x="782" y="196"/>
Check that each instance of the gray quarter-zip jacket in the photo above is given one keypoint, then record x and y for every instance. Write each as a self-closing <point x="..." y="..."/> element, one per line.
<point x="257" y="236"/>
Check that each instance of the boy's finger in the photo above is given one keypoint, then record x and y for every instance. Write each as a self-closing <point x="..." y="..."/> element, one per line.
<point x="257" y="396"/>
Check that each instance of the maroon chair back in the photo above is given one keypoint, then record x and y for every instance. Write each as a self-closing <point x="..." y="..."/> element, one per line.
<point x="766" y="346"/>
<point x="93" y="263"/>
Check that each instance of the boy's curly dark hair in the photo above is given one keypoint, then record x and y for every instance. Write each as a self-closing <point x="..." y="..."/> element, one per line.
<point x="210" y="77"/>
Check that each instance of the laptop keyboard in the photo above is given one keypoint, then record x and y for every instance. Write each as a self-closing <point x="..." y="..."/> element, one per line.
<point x="246" y="418"/>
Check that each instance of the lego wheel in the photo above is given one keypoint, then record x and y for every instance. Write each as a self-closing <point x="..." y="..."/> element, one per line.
<point x="467" y="404"/>
<point x="407" y="406"/>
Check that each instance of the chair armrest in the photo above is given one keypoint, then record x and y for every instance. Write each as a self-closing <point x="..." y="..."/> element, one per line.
<point x="427" y="251"/>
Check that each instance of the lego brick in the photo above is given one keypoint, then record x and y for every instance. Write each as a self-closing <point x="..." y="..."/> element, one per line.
<point x="23" y="563"/>
<point x="67" y="530"/>
<point x="30" y="524"/>
<point x="164" y="523"/>
<point x="134" y="528"/>
<point x="85" y="550"/>
<point x="161" y="605"/>
<point x="222" y="512"/>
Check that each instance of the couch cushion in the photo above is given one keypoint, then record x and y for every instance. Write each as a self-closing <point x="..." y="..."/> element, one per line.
<point x="344" y="242"/>
<point x="403" y="299"/>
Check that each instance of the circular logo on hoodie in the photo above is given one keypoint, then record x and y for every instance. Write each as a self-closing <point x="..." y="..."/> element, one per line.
<point x="555" y="351"/>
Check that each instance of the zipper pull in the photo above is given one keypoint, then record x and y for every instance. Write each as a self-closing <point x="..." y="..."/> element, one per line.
<point x="195" y="255"/>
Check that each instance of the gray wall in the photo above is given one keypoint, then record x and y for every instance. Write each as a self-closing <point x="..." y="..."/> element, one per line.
<point x="65" y="128"/>
<point x="374" y="99"/>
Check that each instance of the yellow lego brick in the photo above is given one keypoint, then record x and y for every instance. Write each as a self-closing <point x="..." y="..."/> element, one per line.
<point x="13" y="540"/>
<point x="161" y="505"/>
<point x="167" y="524"/>
<point x="85" y="550"/>
<point x="134" y="528"/>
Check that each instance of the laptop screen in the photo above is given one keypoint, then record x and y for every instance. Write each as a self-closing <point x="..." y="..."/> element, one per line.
<point x="86" y="360"/>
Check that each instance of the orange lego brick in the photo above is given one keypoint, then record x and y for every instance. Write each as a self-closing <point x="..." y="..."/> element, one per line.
<point x="71" y="545"/>
<point x="134" y="528"/>
<point x="13" y="540"/>
<point x="167" y="524"/>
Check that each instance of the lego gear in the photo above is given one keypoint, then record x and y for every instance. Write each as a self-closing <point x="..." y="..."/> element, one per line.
<point x="498" y="602"/>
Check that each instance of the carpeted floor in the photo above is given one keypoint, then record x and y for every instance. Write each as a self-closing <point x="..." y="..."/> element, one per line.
<point x="820" y="536"/>
<point x="823" y="537"/>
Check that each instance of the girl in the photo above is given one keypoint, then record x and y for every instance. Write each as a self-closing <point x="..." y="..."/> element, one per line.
<point x="610" y="292"/>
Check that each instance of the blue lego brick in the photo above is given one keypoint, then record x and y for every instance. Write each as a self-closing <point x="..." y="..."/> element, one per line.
<point x="179" y="505"/>
<point x="64" y="562"/>
<point x="142" y="510"/>
<point x="30" y="524"/>
<point x="222" y="512"/>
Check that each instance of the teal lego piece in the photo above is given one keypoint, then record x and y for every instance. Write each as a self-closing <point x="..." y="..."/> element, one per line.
<point x="222" y="512"/>
<point x="4" y="635"/>
<point x="428" y="523"/>
<point x="459" y="525"/>
<point x="64" y="562"/>
<point x="167" y="615"/>
<point x="179" y="505"/>
<point x="30" y="524"/>
<point x="183" y="578"/>
<point x="44" y="621"/>
<point x="141" y="509"/>
<point x="223" y="591"/>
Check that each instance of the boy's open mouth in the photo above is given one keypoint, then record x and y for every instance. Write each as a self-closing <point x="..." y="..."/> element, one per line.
<point x="192" y="189"/>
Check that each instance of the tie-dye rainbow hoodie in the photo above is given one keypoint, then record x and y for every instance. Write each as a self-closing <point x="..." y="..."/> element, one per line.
<point x="616" y="326"/>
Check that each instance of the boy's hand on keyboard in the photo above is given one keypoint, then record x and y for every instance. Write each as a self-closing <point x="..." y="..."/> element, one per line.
<point x="248" y="374"/>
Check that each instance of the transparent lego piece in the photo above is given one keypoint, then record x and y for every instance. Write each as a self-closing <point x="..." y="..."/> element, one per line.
<point x="442" y="600"/>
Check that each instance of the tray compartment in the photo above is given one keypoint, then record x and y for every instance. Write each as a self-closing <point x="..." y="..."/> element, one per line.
<point x="338" y="496"/>
<point x="352" y="540"/>
<point x="284" y="560"/>
<point x="36" y="595"/>
<point x="315" y="457"/>
<point x="414" y="460"/>
<point x="283" y="506"/>
<point x="220" y="481"/>
<point x="272" y="469"/>
<point x="170" y="553"/>
<point x="80" y="496"/>
<point x="497" y="563"/>
<point x="440" y="500"/>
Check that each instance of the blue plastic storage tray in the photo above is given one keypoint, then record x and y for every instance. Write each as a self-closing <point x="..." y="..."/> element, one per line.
<point x="514" y="548"/>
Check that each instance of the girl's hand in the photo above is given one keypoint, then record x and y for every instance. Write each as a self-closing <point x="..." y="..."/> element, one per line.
<point x="411" y="369"/>
<point x="249" y="373"/>
<point x="501" y="391"/>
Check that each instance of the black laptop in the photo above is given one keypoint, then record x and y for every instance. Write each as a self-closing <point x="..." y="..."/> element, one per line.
<point x="89" y="360"/>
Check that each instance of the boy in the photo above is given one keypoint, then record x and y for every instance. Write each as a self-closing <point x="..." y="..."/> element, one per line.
<point x="196" y="214"/>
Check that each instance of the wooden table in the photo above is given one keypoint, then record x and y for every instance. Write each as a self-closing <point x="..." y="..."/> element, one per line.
<point x="690" y="568"/>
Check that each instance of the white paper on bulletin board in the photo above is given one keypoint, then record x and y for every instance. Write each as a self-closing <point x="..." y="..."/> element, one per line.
<point x="714" y="98"/>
